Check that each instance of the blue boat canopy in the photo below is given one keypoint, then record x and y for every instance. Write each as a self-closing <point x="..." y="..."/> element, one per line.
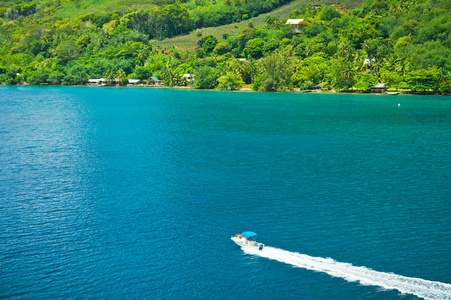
<point x="248" y="234"/>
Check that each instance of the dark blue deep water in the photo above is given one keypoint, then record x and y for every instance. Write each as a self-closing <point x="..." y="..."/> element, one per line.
<point x="129" y="193"/>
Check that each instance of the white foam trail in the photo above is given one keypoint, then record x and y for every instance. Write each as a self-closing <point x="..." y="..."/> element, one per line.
<point x="422" y="288"/>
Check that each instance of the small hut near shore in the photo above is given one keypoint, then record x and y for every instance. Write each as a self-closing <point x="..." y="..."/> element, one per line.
<point x="378" y="88"/>
<point x="96" y="80"/>
<point x="134" y="81"/>
<point x="153" y="80"/>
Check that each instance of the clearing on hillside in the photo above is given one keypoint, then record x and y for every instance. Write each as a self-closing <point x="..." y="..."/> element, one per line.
<point x="189" y="41"/>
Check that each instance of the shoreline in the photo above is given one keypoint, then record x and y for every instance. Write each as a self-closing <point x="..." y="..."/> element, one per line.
<point x="246" y="90"/>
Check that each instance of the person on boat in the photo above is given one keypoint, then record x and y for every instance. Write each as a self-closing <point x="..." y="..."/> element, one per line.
<point x="239" y="235"/>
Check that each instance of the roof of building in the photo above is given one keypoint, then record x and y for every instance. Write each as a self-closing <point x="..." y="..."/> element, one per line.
<point x="96" y="80"/>
<point x="134" y="80"/>
<point x="294" y="21"/>
<point x="154" y="78"/>
<point x="367" y="61"/>
<point x="379" y="86"/>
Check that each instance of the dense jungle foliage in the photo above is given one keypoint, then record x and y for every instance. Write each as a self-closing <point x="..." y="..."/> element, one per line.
<point x="405" y="44"/>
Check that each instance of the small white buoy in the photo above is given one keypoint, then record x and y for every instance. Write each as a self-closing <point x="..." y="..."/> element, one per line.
<point x="399" y="104"/>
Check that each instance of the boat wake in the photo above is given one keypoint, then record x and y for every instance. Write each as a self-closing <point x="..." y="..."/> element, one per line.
<point x="407" y="285"/>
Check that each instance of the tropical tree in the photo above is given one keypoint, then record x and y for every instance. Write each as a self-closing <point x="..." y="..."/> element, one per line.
<point x="76" y="74"/>
<point x="366" y="81"/>
<point x="423" y="80"/>
<point x="230" y="81"/>
<point x="309" y="72"/>
<point x="342" y="75"/>
<point x="170" y="76"/>
<point x="110" y="77"/>
<point x="329" y="12"/>
<point x="390" y="62"/>
<point x="275" y="73"/>
<point x="246" y="69"/>
<point x="221" y="48"/>
<point x="445" y="81"/>
<point x="376" y="66"/>
<point x="121" y="77"/>
<point x="55" y="77"/>
<point x="359" y="60"/>
<point x="402" y="66"/>
<point x="40" y="76"/>
<point x="345" y="50"/>
<point x="208" y="43"/>
<point x="142" y="56"/>
<point x="206" y="77"/>
<point x="391" y="78"/>
<point x="254" y="48"/>
<point x="142" y="73"/>
<point x="67" y="51"/>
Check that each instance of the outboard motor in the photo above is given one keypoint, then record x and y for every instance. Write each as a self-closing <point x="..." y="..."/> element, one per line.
<point x="260" y="246"/>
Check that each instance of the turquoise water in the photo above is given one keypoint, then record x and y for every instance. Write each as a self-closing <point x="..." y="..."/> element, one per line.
<point x="131" y="193"/>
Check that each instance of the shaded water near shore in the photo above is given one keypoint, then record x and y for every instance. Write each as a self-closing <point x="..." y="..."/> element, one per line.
<point x="134" y="193"/>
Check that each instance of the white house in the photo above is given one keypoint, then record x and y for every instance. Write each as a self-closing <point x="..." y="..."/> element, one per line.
<point x="378" y="88"/>
<point x="368" y="62"/>
<point x="97" y="80"/>
<point x="294" y="21"/>
<point x="134" y="81"/>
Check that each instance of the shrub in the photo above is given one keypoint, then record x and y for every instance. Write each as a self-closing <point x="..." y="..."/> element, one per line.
<point x="328" y="13"/>
<point x="40" y="76"/>
<point x="221" y="48"/>
<point x="230" y="81"/>
<point x="205" y="77"/>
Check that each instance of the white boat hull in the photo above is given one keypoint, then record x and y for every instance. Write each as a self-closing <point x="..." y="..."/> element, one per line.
<point x="243" y="242"/>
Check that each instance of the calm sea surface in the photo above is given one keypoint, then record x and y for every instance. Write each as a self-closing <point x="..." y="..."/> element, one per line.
<point x="129" y="193"/>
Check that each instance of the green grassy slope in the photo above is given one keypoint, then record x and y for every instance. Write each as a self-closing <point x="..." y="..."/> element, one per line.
<point x="190" y="40"/>
<point x="71" y="9"/>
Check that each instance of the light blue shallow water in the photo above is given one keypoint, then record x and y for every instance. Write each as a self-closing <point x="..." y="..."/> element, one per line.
<point x="134" y="193"/>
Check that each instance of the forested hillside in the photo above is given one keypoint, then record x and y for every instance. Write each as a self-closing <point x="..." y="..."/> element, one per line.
<point x="405" y="44"/>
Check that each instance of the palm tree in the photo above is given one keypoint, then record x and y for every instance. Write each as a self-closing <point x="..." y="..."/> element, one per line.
<point x="230" y="81"/>
<point x="376" y="67"/>
<point x="109" y="76"/>
<point x="444" y="76"/>
<point x="359" y="60"/>
<point x="390" y="62"/>
<point x="348" y="74"/>
<point x="169" y="76"/>
<point x="142" y="56"/>
<point x="309" y="50"/>
<point x="366" y="46"/>
<point x="45" y="40"/>
<point x="403" y="66"/>
<point x="245" y="69"/>
<point x="121" y="77"/>
<point x="345" y="49"/>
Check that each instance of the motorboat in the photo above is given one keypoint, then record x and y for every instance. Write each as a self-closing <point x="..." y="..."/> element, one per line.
<point x="247" y="239"/>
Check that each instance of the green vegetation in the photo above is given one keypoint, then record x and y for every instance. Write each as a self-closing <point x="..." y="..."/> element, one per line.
<point x="189" y="41"/>
<point x="403" y="43"/>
